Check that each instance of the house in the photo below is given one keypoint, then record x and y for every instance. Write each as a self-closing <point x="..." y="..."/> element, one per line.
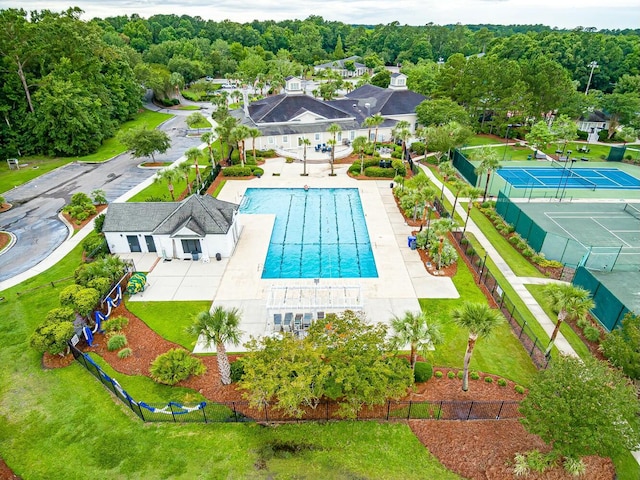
<point x="593" y="123"/>
<point x="286" y="119"/>
<point x="339" y="66"/>
<point x="200" y="225"/>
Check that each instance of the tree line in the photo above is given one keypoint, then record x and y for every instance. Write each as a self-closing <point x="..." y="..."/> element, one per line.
<point x="68" y="83"/>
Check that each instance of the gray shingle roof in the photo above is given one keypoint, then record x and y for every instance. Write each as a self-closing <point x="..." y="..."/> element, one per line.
<point x="386" y="101"/>
<point x="201" y="214"/>
<point x="283" y="107"/>
<point x="340" y="63"/>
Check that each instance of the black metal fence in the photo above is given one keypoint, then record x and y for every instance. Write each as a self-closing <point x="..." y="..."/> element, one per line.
<point x="213" y="412"/>
<point x="519" y="325"/>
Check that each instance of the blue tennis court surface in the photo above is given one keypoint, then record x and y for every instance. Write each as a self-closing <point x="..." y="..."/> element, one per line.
<point x="553" y="177"/>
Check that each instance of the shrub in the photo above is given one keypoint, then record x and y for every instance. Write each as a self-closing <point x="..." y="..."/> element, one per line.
<point x="116" y="342"/>
<point x="418" y="148"/>
<point x="488" y="379"/>
<point x="474" y="376"/>
<point x="574" y="466"/>
<point x="582" y="322"/>
<point x="98" y="222"/>
<point x="422" y="372"/>
<point x="85" y="300"/>
<point x="68" y="294"/>
<point x="237" y="370"/>
<point x="502" y="382"/>
<point x="399" y="167"/>
<point x="59" y="315"/>
<point x="513" y="240"/>
<point x="289" y="160"/>
<point x="115" y="324"/>
<point x="99" y="196"/>
<point x="460" y="374"/>
<point x="538" y="461"/>
<point x="175" y="365"/>
<point x="519" y="389"/>
<point x="451" y="375"/>
<point x="257" y="171"/>
<point x="52" y="337"/>
<point x="101" y="284"/>
<point x="520" y="465"/>
<point x="438" y="374"/>
<point x="527" y="252"/>
<point x="379" y="172"/>
<point x="236" y="171"/>
<point x="95" y="245"/>
<point x="125" y="352"/>
<point x="591" y="333"/>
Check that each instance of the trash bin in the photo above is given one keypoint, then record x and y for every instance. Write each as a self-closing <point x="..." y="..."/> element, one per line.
<point x="529" y="157"/>
<point x="391" y="185"/>
<point x="195" y="256"/>
<point x="218" y="257"/>
<point x="411" y="240"/>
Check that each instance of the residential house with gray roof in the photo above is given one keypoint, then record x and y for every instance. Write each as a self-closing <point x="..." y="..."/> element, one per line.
<point x="342" y="67"/>
<point x="199" y="226"/>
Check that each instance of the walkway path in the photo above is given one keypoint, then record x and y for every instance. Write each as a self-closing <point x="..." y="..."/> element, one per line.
<point x="518" y="283"/>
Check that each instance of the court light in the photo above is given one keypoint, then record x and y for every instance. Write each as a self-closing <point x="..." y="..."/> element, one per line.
<point x="593" y="66"/>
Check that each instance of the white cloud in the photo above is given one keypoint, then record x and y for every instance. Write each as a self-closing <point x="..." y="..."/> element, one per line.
<point x="554" y="13"/>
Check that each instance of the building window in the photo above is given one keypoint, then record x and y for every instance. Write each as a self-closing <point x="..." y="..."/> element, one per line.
<point x="270" y="140"/>
<point x="285" y="139"/>
<point x="401" y="81"/>
<point x="352" y="135"/>
<point x="339" y="137"/>
<point x="191" y="246"/>
<point x="317" y="137"/>
<point x="294" y="86"/>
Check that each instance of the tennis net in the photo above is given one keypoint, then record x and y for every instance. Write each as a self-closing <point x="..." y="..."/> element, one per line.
<point x="572" y="174"/>
<point x="631" y="210"/>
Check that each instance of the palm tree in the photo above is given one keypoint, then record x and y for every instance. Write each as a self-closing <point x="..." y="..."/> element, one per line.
<point x="570" y="302"/>
<point x="219" y="327"/>
<point x="369" y="122"/>
<point x="192" y="155"/>
<point x="376" y="120"/>
<point x="358" y="144"/>
<point x="480" y="320"/>
<point x="416" y="329"/>
<point x="402" y="131"/>
<point x="305" y="143"/>
<point x="489" y="163"/>
<point x="238" y="134"/>
<point x="223" y="130"/>
<point x="185" y="169"/>
<point x="209" y="138"/>
<point x="168" y="175"/>
<point x="254" y="133"/>
<point x="447" y="171"/>
<point x="334" y="128"/>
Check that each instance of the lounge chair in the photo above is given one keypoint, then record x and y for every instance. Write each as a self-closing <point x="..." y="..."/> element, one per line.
<point x="306" y="320"/>
<point x="297" y="323"/>
<point x="288" y="317"/>
<point x="320" y="315"/>
<point x="277" y="322"/>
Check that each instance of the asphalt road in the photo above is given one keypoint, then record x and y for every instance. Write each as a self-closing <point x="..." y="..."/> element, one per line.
<point x="34" y="216"/>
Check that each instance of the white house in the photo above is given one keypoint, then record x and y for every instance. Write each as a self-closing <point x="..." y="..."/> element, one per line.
<point x="199" y="226"/>
<point x="339" y="67"/>
<point x="286" y="119"/>
<point x="593" y="123"/>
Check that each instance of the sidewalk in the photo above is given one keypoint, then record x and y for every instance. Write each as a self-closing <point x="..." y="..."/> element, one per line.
<point x="518" y="283"/>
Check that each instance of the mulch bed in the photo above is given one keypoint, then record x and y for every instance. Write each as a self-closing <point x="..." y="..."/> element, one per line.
<point x="473" y="449"/>
<point x="5" y="206"/>
<point x="4" y="240"/>
<point x="6" y="473"/>
<point x="79" y="225"/>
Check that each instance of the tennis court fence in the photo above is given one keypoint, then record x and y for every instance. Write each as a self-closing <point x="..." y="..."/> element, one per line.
<point x="532" y="344"/>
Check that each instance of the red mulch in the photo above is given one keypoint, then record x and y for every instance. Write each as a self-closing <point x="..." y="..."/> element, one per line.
<point x="5" y="206"/>
<point x="79" y="225"/>
<point x="6" y="473"/>
<point x="484" y="449"/>
<point x="4" y="240"/>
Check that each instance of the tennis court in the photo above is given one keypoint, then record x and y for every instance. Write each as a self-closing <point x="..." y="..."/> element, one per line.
<point x="605" y="235"/>
<point x="562" y="176"/>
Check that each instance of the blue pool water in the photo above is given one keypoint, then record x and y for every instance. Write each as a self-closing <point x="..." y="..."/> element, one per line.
<point x="318" y="233"/>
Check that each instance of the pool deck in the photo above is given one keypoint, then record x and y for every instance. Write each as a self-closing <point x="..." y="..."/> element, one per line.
<point x="237" y="282"/>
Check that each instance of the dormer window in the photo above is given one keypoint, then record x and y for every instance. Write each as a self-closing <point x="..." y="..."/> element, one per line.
<point x="294" y="86"/>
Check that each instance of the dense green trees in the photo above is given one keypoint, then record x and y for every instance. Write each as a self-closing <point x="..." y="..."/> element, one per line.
<point x="64" y="89"/>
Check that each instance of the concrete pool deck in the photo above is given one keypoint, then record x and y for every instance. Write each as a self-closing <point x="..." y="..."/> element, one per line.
<point x="237" y="282"/>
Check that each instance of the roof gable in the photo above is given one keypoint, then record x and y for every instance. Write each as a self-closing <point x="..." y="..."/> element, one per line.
<point x="201" y="215"/>
<point x="287" y="107"/>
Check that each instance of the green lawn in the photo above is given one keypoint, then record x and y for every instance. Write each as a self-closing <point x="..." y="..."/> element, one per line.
<point x="501" y="354"/>
<point x="170" y="319"/>
<point x="478" y="140"/>
<point x="109" y="149"/>
<point x="568" y="333"/>
<point x="188" y="107"/>
<point x="596" y="151"/>
<point x="51" y="419"/>
<point x="520" y="266"/>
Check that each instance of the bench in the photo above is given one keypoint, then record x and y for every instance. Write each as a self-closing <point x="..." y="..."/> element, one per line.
<point x="540" y="155"/>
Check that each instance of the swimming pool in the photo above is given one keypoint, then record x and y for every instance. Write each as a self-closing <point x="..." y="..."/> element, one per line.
<point x="318" y="233"/>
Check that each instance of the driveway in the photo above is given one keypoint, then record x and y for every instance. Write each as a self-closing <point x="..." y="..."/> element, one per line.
<point x="34" y="218"/>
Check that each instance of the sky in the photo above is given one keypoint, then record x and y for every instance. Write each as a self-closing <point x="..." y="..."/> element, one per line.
<point x="609" y="14"/>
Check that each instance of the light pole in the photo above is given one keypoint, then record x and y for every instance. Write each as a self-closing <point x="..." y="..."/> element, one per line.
<point x="506" y="138"/>
<point x="429" y="223"/>
<point x="593" y="66"/>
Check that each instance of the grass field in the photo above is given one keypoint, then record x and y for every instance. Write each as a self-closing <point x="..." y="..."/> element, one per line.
<point x="39" y="165"/>
<point x="56" y="423"/>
